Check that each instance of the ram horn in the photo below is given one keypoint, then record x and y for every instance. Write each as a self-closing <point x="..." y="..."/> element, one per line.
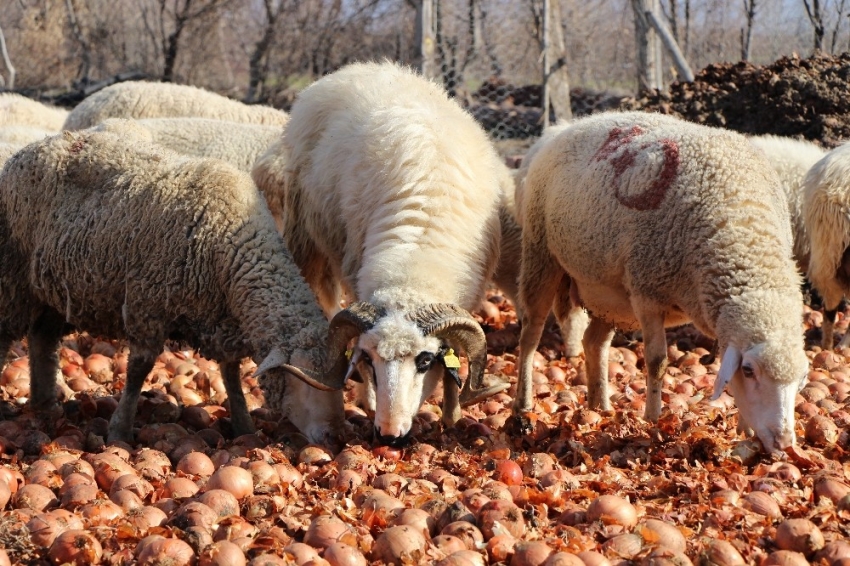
<point x="455" y="325"/>
<point x="277" y="359"/>
<point x="347" y="324"/>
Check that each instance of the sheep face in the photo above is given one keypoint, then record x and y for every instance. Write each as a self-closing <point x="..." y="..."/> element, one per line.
<point x="764" y="379"/>
<point x="402" y="367"/>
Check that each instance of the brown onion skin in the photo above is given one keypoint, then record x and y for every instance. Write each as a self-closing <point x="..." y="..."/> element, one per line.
<point x="4" y="558"/>
<point x="222" y="553"/>
<point x="341" y="554"/>
<point x="396" y="541"/>
<point x="156" y="549"/>
<point x="222" y="502"/>
<point x="237" y="481"/>
<point x="76" y="547"/>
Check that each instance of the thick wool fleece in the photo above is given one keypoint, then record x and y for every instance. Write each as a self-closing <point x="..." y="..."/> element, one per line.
<point x="792" y="159"/>
<point x="647" y="209"/>
<point x="18" y="110"/>
<point x="140" y="99"/>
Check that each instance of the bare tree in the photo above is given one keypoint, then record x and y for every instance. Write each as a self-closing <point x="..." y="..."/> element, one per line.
<point x="648" y="47"/>
<point x="839" y="16"/>
<point x="83" y="77"/>
<point x="747" y="32"/>
<point x="258" y="62"/>
<point x="10" y="84"/>
<point x="813" y="10"/>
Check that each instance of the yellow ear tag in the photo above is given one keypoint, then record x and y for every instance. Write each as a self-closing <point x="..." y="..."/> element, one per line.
<point x="451" y="361"/>
<point x="348" y="354"/>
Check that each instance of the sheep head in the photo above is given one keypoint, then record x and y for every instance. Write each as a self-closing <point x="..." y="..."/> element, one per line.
<point x="764" y="378"/>
<point x="403" y="354"/>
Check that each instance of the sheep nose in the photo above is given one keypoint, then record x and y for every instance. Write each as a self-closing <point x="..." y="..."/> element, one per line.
<point x="393" y="441"/>
<point x="784" y="439"/>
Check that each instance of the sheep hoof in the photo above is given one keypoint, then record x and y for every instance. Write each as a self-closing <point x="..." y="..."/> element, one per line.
<point x="519" y="425"/>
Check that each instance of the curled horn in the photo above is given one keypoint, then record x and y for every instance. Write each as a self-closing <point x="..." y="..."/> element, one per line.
<point x="345" y="325"/>
<point x="454" y="324"/>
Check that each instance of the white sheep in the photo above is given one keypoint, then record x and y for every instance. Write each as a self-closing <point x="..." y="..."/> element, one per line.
<point x="141" y="99"/>
<point x="571" y="318"/>
<point x="236" y="143"/>
<point x="22" y="135"/>
<point x="826" y="210"/>
<point x="659" y="222"/>
<point x="792" y="159"/>
<point x="391" y="191"/>
<point x="7" y="150"/>
<point x="18" y="110"/>
<point x="123" y="238"/>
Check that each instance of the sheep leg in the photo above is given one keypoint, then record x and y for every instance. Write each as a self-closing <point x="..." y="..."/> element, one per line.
<point x="139" y="366"/>
<point x="240" y="419"/>
<point x="451" y="401"/>
<point x="537" y="294"/>
<point x="828" y="325"/>
<point x="655" y="343"/>
<point x="572" y="319"/>
<point x="44" y="337"/>
<point x="597" y="339"/>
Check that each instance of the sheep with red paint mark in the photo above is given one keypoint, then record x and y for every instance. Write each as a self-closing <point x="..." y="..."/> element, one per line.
<point x="659" y="222"/>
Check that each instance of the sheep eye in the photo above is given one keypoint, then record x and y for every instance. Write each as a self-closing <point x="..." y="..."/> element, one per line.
<point x="365" y="358"/>
<point x="424" y="361"/>
<point x="748" y="372"/>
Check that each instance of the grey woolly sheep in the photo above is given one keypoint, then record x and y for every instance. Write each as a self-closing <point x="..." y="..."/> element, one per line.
<point x="18" y="110"/>
<point x="826" y="210"/>
<point x="123" y="238"/>
<point x="391" y="191"/>
<point x="141" y="99"/>
<point x="236" y="143"/>
<point x="22" y="135"/>
<point x="659" y="222"/>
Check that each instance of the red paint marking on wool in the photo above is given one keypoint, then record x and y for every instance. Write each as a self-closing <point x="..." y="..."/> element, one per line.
<point x="616" y="139"/>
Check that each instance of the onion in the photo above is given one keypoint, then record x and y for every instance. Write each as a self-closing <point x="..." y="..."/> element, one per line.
<point x="821" y="431"/>
<point x="563" y="559"/>
<point x="500" y="548"/>
<point x="785" y="558"/>
<point x="655" y="532"/>
<point x="4" y="558"/>
<point x="611" y="509"/>
<point x="530" y="554"/>
<point x="156" y="549"/>
<point x="222" y="502"/>
<point x="179" y="488"/>
<point x="194" y="514"/>
<point x="237" y="481"/>
<point x="508" y="472"/>
<point x="341" y="554"/>
<point x="501" y="517"/>
<point x="463" y="558"/>
<point x="831" y="488"/>
<point x="763" y="504"/>
<point x="593" y="558"/>
<point x="418" y="519"/>
<point x="448" y="544"/>
<point x="301" y="553"/>
<point x="466" y="532"/>
<point x="799" y="535"/>
<point x="325" y="530"/>
<point x="75" y="547"/>
<point x="101" y="512"/>
<point x="196" y="464"/>
<point x="399" y="543"/>
<point x="627" y="545"/>
<point x="45" y="527"/>
<point x="222" y="553"/>
<point x="132" y="482"/>
<point x="143" y="518"/>
<point x="721" y="553"/>
<point x="348" y="480"/>
<point x="35" y="497"/>
<point x="314" y="456"/>
<point x="79" y="495"/>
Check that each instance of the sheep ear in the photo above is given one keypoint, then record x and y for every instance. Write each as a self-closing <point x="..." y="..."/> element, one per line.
<point x="728" y="366"/>
<point x="275" y="359"/>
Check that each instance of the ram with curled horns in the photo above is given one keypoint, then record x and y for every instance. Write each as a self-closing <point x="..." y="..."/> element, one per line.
<point x="388" y="190"/>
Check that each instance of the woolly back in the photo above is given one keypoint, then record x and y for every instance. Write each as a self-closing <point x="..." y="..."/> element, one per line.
<point x="826" y="209"/>
<point x="141" y="99"/>
<point x="18" y="110"/>
<point x="391" y="170"/>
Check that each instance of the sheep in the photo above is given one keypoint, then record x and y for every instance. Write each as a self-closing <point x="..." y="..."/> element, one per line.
<point x="126" y="239"/>
<point x="7" y="150"/>
<point x="792" y="159"/>
<point x="22" y="135"/>
<point x="826" y="211"/>
<point x="572" y="318"/>
<point x="18" y="110"/>
<point x="238" y="144"/>
<point x="659" y="222"/>
<point x="390" y="193"/>
<point x="141" y="99"/>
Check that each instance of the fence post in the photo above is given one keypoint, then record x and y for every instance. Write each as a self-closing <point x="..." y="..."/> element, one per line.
<point x="425" y="37"/>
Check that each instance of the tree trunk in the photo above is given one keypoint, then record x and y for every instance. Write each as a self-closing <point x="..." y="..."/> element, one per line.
<point x="256" y="65"/>
<point x="669" y="41"/>
<point x="747" y="33"/>
<point x="10" y="84"/>
<point x="85" y="64"/>
<point x="816" y="18"/>
<point x="648" y="48"/>
<point x="556" y="80"/>
<point x="424" y="38"/>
